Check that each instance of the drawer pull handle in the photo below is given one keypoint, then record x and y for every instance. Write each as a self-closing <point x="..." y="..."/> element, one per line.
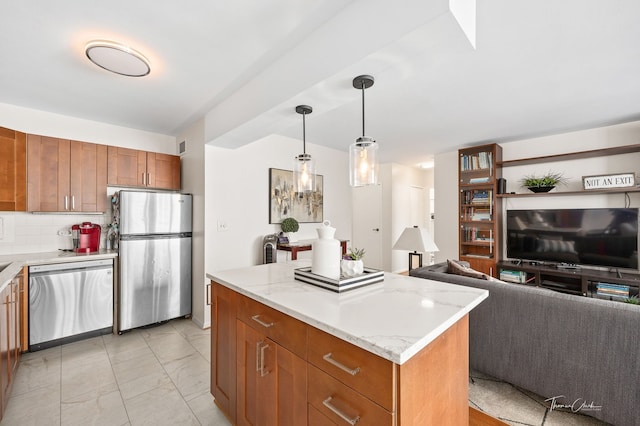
<point x="257" y="319"/>
<point x="341" y="366"/>
<point x="260" y="358"/>
<point x="352" y="421"/>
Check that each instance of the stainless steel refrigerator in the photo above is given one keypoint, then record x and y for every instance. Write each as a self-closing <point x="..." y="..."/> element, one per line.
<point x="154" y="257"/>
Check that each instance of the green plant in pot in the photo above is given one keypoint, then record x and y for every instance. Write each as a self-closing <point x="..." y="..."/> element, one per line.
<point x="352" y="263"/>
<point x="544" y="183"/>
<point x="290" y="226"/>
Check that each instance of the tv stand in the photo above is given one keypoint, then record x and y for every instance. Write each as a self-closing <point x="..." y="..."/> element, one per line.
<point x="567" y="266"/>
<point x="575" y="280"/>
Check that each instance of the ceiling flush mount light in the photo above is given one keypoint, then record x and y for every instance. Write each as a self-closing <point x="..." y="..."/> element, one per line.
<point x="363" y="161"/>
<point x="304" y="167"/>
<point x="117" y="58"/>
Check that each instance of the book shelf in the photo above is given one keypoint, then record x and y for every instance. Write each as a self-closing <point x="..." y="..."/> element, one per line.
<point x="478" y="207"/>
<point x="594" y="153"/>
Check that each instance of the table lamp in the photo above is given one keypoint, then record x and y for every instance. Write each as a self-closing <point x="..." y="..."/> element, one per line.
<point x="418" y="240"/>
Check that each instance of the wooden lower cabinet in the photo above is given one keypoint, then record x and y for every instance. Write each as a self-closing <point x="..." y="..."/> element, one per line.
<point x="260" y="374"/>
<point x="223" y="350"/>
<point x="272" y="382"/>
<point x="10" y="337"/>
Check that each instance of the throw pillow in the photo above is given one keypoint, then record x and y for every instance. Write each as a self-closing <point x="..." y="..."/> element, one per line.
<point x="455" y="268"/>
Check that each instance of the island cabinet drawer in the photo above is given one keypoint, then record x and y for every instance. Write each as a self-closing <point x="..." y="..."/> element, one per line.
<point x="340" y="404"/>
<point x="287" y="331"/>
<point x="367" y="373"/>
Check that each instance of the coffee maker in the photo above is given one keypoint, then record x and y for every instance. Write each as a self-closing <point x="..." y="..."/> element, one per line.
<point x="86" y="237"/>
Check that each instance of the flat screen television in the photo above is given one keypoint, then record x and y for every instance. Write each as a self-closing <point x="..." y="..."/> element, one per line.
<point x="598" y="236"/>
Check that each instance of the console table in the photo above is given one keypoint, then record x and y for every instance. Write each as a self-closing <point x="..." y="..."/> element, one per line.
<point x="305" y="245"/>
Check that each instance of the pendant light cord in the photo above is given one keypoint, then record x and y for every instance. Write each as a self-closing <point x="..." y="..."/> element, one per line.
<point x="304" y="131"/>
<point x="363" y="109"/>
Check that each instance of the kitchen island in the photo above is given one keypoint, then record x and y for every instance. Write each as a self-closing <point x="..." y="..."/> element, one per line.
<point x="286" y="352"/>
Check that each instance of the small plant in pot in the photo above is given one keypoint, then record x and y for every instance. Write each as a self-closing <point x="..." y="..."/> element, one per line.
<point x="290" y="226"/>
<point x="543" y="183"/>
<point x="352" y="263"/>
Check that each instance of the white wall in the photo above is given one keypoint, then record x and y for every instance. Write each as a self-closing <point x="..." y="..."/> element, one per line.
<point x="62" y="126"/>
<point x="622" y="134"/>
<point x="30" y="233"/>
<point x="193" y="182"/>
<point x="237" y="193"/>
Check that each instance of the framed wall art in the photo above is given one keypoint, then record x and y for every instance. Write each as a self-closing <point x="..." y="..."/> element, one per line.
<point x="284" y="202"/>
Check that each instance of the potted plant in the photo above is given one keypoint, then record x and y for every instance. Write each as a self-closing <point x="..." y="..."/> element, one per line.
<point x="290" y="226"/>
<point x="543" y="183"/>
<point x="352" y="263"/>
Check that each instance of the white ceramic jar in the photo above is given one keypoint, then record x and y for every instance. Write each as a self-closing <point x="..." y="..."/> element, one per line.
<point x="326" y="251"/>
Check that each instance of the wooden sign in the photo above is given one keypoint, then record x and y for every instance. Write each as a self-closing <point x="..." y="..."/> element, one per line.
<point x="619" y="180"/>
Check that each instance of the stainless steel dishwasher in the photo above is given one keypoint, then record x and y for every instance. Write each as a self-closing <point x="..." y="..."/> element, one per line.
<point x="69" y="301"/>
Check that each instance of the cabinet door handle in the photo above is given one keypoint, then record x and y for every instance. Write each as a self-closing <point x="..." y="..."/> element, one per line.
<point x="352" y="371"/>
<point x="148" y="180"/>
<point x="144" y="180"/>
<point x="260" y="358"/>
<point x="73" y="202"/>
<point x="351" y="420"/>
<point x="257" y="319"/>
<point x="66" y="202"/>
<point x="207" y="290"/>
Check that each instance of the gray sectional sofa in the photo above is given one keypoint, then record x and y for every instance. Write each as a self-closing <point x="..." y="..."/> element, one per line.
<point x="584" y="351"/>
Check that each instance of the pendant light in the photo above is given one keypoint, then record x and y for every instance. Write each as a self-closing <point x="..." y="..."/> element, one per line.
<point x="363" y="161"/>
<point x="304" y="167"/>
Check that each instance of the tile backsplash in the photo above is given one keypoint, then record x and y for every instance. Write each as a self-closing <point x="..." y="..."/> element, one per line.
<point x="33" y="233"/>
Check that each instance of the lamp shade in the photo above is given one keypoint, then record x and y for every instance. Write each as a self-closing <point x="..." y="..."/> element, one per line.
<point x="416" y="239"/>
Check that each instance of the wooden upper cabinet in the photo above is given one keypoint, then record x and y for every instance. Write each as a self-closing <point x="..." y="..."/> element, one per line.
<point x="126" y="166"/>
<point x="130" y="167"/>
<point x="164" y="171"/>
<point x="65" y="176"/>
<point x="13" y="170"/>
<point x="88" y="184"/>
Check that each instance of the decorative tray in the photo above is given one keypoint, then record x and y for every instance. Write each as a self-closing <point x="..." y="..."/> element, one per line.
<point x="368" y="276"/>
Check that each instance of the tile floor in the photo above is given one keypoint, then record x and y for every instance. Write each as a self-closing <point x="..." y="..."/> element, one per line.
<point x="519" y="407"/>
<point x="153" y="376"/>
<point x="160" y="376"/>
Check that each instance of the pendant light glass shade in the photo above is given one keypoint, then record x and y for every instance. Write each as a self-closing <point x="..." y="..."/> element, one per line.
<point x="363" y="162"/>
<point x="304" y="167"/>
<point x="363" y="158"/>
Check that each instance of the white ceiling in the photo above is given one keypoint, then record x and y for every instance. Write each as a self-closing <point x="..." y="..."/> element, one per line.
<point x="539" y="67"/>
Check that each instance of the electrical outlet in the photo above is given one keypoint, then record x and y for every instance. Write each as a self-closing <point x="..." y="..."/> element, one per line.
<point x="223" y="226"/>
<point x="1" y="229"/>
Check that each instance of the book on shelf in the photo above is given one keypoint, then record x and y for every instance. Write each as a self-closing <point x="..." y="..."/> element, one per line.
<point x="518" y="277"/>
<point x="479" y="180"/>
<point x="613" y="290"/>
<point x="479" y="161"/>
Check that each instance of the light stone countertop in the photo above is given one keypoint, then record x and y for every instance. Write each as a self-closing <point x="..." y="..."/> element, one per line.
<point x="394" y="319"/>
<point x="13" y="263"/>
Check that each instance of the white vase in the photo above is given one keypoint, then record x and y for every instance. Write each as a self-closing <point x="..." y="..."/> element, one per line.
<point x="351" y="268"/>
<point x="292" y="237"/>
<point x="326" y="252"/>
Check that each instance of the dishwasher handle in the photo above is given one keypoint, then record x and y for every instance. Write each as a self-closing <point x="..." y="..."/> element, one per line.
<point x="71" y="266"/>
